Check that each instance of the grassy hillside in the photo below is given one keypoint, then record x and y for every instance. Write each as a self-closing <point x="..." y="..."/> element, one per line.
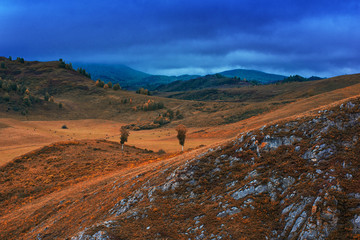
<point x="280" y="92"/>
<point x="286" y="180"/>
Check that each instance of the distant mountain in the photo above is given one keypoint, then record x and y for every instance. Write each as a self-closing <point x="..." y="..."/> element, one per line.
<point x="127" y="77"/>
<point x="253" y="75"/>
<point x="205" y="82"/>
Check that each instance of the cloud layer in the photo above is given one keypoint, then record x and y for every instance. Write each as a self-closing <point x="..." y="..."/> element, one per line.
<point x="183" y="36"/>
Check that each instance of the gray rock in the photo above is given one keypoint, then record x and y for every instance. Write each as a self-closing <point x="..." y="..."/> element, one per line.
<point x="299" y="222"/>
<point x="241" y="193"/>
<point x="228" y="212"/>
<point x="356" y="224"/>
<point x="100" y="235"/>
<point x="260" y="189"/>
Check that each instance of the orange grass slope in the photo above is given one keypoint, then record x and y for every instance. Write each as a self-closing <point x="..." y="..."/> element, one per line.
<point x="198" y="193"/>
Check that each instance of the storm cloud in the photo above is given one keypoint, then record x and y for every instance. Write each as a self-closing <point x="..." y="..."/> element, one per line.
<point x="183" y="36"/>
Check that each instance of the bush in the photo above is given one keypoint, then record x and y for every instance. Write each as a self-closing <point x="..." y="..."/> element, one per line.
<point x="27" y="100"/>
<point x="13" y="86"/>
<point x="21" y="89"/>
<point x="126" y="100"/>
<point x="60" y="105"/>
<point x="169" y="113"/>
<point x="83" y="72"/>
<point x="10" y="58"/>
<point x="62" y="64"/>
<point x="116" y="86"/>
<point x="64" y="127"/>
<point x="51" y="99"/>
<point x="6" y="97"/>
<point x="69" y="66"/>
<point x="20" y="60"/>
<point x="161" y="151"/>
<point x="143" y="91"/>
<point x="46" y="96"/>
<point x="161" y="120"/>
<point x="110" y="84"/>
<point x="2" y="65"/>
<point x="151" y="105"/>
<point x="99" y="83"/>
<point x="106" y="86"/>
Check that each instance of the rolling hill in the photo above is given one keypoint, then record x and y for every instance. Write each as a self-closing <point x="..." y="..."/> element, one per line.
<point x="281" y="91"/>
<point x="253" y="75"/>
<point x="206" y="82"/>
<point x="291" y="179"/>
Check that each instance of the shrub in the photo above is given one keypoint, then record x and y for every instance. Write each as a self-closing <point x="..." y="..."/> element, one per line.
<point x="126" y="100"/>
<point x="143" y="91"/>
<point x="169" y="113"/>
<point x="6" y="97"/>
<point x="21" y="89"/>
<point x="151" y="105"/>
<point x="13" y="86"/>
<point x="62" y="64"/>
<point x="161" y="120"/>
<point x="64" y="127"/>
<point x="46" y="96"/>
<point x="51" y="99"/>
<point x="20" y="60"/>
<point x="2" y="65"/>
<point x="99" y="83"/>
<point x="106" y="86"/>
<point x="110" y="84"/>
<point x="10" y="58"/>
<point x="69" y="66"/>
<point x="161" y="151"/>
<point x="116" y="86"/>
<point x="27" y="100"/>
<point x="60" y="105"/>
<point x="83" y="72"/>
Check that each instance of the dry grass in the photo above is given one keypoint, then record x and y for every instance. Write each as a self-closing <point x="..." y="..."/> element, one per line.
<point x="85" y="183"/>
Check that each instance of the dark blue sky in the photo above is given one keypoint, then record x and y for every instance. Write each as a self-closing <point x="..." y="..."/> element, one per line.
<point x="315" y="37"/>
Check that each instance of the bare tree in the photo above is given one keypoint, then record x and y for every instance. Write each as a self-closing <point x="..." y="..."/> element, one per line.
<point x="124" y="134"/>
<point x="181" y="135"/>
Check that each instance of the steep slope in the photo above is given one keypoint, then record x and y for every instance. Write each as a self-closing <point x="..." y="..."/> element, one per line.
<point x="253" y="75"/>
<point x="292" y="179"/>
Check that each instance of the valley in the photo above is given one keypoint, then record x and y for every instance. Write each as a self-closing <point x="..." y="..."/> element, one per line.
<point x="250" y="154"/>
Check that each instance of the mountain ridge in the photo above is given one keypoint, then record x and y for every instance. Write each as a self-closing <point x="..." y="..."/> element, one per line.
<point x="253" y="75"/>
